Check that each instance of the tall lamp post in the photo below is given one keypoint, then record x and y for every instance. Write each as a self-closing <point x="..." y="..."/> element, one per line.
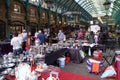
<point x="107" y="6"/>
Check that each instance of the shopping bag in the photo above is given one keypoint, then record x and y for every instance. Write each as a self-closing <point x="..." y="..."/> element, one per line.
<point x="82" y="53"/>
<point x="67" y="60"/>
<point x="118" y="70"/>
<point x="109" y="73"/>
<point x="94" y="66"/>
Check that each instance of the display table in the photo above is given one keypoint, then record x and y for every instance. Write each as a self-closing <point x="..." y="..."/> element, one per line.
<point x="50" y="58"/>
<point x="74" y="55"/>
<point x="5" y="48"/>
<point x="99" y="46"/>
<point x="63" y="75"/>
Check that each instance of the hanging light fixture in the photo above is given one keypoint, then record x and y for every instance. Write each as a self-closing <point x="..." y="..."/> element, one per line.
<point x="107" y="4"/>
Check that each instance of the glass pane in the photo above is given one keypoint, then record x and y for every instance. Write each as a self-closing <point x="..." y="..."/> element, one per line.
<point x="35" y="2"/>
<point x="96" y="6"/>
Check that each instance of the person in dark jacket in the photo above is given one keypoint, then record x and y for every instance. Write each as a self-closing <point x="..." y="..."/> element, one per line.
<point x="41" y="37"/>
<point x="91" y="37"/>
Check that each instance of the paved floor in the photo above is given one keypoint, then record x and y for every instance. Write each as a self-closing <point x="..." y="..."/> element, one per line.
<point x="82" y="70"/>
<point x="79" y="69"/>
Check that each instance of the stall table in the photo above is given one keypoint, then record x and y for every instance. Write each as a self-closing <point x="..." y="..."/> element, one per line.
<point x="50" y="58"/>
<point x="63" y="75"/>
<point x="99" y="46"/>
<point x="74" y="55"/>
<point x="5" y="48"/>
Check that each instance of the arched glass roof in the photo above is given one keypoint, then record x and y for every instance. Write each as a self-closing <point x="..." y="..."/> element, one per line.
<point x="87" y="8"/>
<point x="116" y="11"/>
<point x="94" y="7"/>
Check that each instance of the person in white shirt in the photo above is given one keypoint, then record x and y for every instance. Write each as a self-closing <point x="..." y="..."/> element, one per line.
<point x="16" y="43"/>
<point x="24" y="39"/>
<point x="35" y="35"/>
<point x="20" y="36"/>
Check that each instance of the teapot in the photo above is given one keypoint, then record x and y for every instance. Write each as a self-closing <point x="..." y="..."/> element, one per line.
<point x="37" y="42"/>
<point x="5" y="57"/>
<point x="33" y="76"/>
<point x="53" y="78"/>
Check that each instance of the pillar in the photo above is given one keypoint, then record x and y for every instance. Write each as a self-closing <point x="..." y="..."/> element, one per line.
<point x="8" y="4"/>
<point x="39" y="14"/>
<point x="26" y="17"/>
<point x="49" y="12"/>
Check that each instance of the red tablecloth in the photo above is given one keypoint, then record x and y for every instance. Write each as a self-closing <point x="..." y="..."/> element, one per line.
<point x="117" y="67"/>
<point x="63" y="75"/>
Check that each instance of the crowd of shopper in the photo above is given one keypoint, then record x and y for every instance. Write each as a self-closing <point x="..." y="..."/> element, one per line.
<point x="105" y="38"/>
<point x="21" y="42"/>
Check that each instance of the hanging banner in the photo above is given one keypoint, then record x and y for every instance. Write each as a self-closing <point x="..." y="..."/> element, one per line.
<point x="71" y="12"/>
<point x="95" y="28"/>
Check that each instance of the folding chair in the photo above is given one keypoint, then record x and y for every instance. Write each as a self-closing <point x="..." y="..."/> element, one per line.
<point x="109" y="58"/>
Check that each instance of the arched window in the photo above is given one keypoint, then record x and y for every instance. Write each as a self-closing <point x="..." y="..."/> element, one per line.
<point x="17" y="8"/>
<point x="16" y="26"/>
<point x="32" y="12"/>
